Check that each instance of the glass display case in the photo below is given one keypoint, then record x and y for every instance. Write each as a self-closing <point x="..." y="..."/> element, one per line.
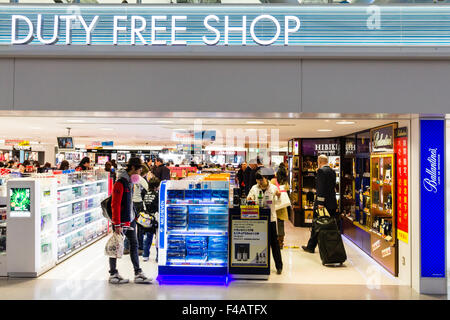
<point x="79" y="215"/>
<point x="52" y="216"/>
<point x="193" y="233"/>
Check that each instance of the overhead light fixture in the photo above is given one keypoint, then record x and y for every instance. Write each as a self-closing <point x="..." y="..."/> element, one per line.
<point x="324" y="130"/>
<point x="345" y="122"/>
<point x="255" y="122"/>
<point x="75" y="120"/>
<point x="164" y="121"/>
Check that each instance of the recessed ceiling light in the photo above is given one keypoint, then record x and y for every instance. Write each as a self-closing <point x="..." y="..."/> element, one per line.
<point x="164" y="121"/>
<point x="324" y="130"/>
<point x="75" y="120"/>
<point x="345" y="122"/>
<point x="255" y="122"/>
<point x="327" y="120"/>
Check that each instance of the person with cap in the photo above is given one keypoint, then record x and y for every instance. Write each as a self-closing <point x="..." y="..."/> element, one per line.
<point x="123" y="217"/>
<point x="325" y="197"/>
<point x="161" y="171"/>
<point x="269" y="191"/>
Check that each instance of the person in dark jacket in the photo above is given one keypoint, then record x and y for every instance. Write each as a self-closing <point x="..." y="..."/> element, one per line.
<point x="161" y="171"/>
<point x="240" y="177"/>
<point x="123" y="217"/>
<point x="247" y="175"/>
<point x="151" y="202"/>
<point x="325" y="197"/>
<point x="64" y="165"/>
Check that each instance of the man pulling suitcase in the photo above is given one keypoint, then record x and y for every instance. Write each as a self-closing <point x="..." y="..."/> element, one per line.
<point x="326" y="202"/>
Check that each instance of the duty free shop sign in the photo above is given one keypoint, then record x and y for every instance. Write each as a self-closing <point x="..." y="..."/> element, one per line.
<point x="224" y="25"/>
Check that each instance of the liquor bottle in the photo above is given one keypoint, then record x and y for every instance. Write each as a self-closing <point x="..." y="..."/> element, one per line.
<point x="260" y="199"/>
<point x="382" y="226"/>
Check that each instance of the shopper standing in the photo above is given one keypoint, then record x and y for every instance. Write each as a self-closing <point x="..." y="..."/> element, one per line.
<point x="247" y="175"/>
<point x="85" y="164"/>
<point x="112" y="173"/>
<point x="161" y="171"/>
<point x="269" y="191"/>
<point x="140" y="189"/>
<point x="282" y="214"/>
<point x="151" y="203"/>
<point x="64" y="165"/>
<point x="240" y="177"/>
<point x="123" y="217"/>
<point x="325" y="197"/>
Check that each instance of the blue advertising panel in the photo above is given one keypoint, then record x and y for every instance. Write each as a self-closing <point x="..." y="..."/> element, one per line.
<point x="432" y="198"/>
<point x="162" y="213"/>
<point x="159" y="25"/>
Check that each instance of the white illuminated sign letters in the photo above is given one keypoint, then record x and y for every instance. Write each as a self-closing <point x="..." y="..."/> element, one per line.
<point x="156" y="30"/>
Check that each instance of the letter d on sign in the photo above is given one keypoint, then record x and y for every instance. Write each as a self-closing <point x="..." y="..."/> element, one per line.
<point x="14" y="29"/>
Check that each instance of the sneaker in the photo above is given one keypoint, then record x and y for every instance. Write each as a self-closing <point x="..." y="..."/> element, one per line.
<point x="145" y="258"/>
<point x="141" y="278"/>
<point x="117" y="279"/>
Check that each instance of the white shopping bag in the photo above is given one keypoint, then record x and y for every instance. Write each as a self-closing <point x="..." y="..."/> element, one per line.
<point x="283" y="201"/>
<point x="114" y="246"/>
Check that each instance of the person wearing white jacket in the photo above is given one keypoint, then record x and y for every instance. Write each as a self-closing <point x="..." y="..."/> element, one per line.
<point x="269" y="193"/>
<point x="138" y="204"/>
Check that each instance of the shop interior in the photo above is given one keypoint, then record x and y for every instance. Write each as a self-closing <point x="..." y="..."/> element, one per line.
<point x="366" y="185"/>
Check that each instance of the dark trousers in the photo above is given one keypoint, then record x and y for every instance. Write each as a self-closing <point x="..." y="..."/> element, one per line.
<point x="132" y="239"/>
<point x="314" y="238"/>
<point x="275" y="245"/>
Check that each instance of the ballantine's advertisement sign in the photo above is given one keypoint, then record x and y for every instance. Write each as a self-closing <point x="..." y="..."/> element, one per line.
<point x="383" y="139"/>
<point x="432" y="198"/>
<point x="433" y="171"/>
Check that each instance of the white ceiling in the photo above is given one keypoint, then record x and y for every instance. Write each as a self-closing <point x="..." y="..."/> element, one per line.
<point x="158" y="131"/>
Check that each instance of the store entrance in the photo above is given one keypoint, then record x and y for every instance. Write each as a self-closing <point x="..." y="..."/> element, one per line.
<point x="361" y="151"/>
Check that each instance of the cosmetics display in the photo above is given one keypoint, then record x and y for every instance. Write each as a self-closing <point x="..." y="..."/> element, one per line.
<point x="193" y="231"/>
<point x="51" y="217"/>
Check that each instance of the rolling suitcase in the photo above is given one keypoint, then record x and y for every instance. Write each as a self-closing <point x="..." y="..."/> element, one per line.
<point x="331" y="247"/>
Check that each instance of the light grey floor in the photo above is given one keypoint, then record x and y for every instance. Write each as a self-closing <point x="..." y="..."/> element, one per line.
<point x="84" y="276"/>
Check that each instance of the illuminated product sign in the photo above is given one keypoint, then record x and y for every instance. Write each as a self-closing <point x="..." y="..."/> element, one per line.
<point x="432" y="198"/>
<point x="224" y="25"/>
<point x="20" y="202"/>
<point x="162" y="213"/>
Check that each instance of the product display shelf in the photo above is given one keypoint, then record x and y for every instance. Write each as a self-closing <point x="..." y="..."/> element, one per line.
<point x="35" y="217"/>
<point x="79" y="199"/>
<point x="383" y="197"/>
<point x="64" y="187"/>
<point x="193" y="237"/>
<point x="85" y="243"/>
<point x="77" y="215"/>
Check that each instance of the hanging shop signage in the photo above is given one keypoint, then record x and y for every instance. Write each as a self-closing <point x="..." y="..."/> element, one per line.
<point x="315" y="147"/>
<point x="223" y="25"/>
<point x="382" y="139"/>
<point x="108" y="144"/>
<point x="432" y="198"/>
<point x="363" y="144"/>
<point x="401" y="146"/>
<point x="350" y="146"/>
